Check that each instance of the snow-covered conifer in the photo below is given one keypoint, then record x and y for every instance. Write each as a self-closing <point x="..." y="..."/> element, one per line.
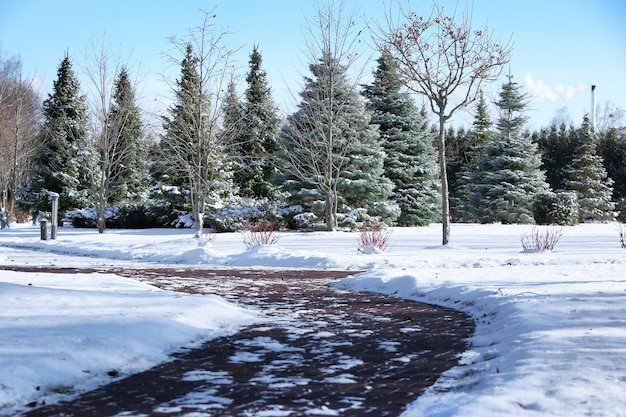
<point x="66" y="158"/>
<point x="330" y="148"/>
<point x="257" y="134"/>
<point x="410" y="160"/>
<point x="588" y="178"/>
<point x="508" y="174"/>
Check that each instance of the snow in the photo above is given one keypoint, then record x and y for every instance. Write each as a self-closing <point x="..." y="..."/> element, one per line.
<point x="551" y="326"/>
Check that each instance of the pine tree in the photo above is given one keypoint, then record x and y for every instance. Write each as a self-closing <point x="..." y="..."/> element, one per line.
<point x="66" y="159"/>
<point x="260" y="125"/>
<point x="181" y="126"/>
<point x="362" y="183"/>
<point x="129" y="171"/>
<point x="233" y="118"/>
<point x="195" y="153"/>
<point x="612" y="148"/>
<point x="508" y="175"/>
<point x="329" y="148"/>
<point x="588" y="178"/>
<point x="410" y="161"/>
<point x="479" y="136"/>
<point x="556" y="146"/>
<point x="481" y="126"/>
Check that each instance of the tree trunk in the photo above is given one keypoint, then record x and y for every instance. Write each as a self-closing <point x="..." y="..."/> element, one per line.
<point x="197" y="205"/>
<point x="328" y="215"/>
<point x="445" y="203"/>
<point x="100" y="209"/>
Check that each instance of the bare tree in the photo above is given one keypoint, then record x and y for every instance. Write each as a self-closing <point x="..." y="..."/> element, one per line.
<point x="443" y="58"/>
<point x="114" y="114"/>
<point x="314" y="140"/>
<point x="19" y="126"/>
<point x="193" y="144"/>
<point x="609" y="117"/>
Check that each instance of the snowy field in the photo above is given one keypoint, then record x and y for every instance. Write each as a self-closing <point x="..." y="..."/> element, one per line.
<point x="551" y="327"/>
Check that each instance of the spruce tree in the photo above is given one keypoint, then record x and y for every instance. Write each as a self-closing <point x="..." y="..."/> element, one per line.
<point x="65" y="162"/>
<point x="195" y="153"/>
<point x="588" y="178"/>
<point x="557" y="145"/>
<point x="612" y="148"/>
<point x="362" y="183"/>
<point x="260" y="126"/>
<point x="129" y="171"/>
<point x="508" y="172"/>
<point x="330" y="149"/>
<point x="479" y="135"/>
<point x="410" y="160"/>
<point x="233" y="117"/>
<point x="458" y="155"/>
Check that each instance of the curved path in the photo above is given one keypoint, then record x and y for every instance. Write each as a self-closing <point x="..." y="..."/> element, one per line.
<point x="322" y="351"/>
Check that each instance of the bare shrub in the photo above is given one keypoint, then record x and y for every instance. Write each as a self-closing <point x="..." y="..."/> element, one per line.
<point x="541" y="239"/>
<point x="260" y="234"/>
<point x="373" y="238"/>
<point x="207" y="236"/>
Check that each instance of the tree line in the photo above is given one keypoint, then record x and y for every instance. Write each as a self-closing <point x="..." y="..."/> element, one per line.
<point x="350" y="152"/>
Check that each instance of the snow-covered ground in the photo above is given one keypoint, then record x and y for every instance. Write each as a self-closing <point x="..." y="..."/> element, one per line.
<point x="551" y="327"/>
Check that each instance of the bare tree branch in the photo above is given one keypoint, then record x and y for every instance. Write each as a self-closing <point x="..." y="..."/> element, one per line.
<point x="443" y="58"/>
<point x="313" y="140"/>
<point x="196" y="147"/>
<point x="20" y="112"/>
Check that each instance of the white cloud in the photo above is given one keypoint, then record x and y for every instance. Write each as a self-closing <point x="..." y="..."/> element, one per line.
<point x="542" y="91"/>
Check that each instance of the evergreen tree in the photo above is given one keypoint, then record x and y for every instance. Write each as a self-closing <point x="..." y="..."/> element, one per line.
<point x="458" y="149"/>
<point x="195" y="153"/>
<point x="66" y="159"/>
<point x="612" y="148"/>
<point x="556" y="146"/>
<point x="588" y="178"/>
<point x="329" y="147"/>
<point x="181" y="126"/>
<point x="129" y="170"/>
<point x="233" y="115"/>
<point x="481" y="126"/>
<point x="479" y="136"/>
<point x="362" y="183"/>
<point x="410" y="160"/>
<point x="260" y="125"/>
<point x="508" y="175"/>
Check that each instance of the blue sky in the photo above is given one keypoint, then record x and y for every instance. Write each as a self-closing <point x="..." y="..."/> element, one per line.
<point x="561" y="47"/>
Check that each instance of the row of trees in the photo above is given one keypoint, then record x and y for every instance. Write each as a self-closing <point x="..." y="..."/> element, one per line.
<point x="348" y="153"/>
<point x="507" y="174"/>
<point x="19" y="122"/>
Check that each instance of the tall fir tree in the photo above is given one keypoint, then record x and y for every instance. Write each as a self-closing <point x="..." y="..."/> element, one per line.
<point x="181" y="125"/>
<point x="458" y="148"/>
<point x="233" y="118"/>
<point x="479" y="135"/>
<point x="66" y="160"/>
<point x="258" y="140"/>
<point x="508" y="175"/>
<point x="612" y="148"/>
<point x="192" y="147"/>
<point x="129" y="174"/>
<point x="410" y="160"/>
<point x="557" y="145"/>
<point x="588" y="178"/>
<point x="332" y="153"/>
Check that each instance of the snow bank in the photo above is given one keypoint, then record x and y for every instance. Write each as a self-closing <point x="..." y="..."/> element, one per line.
<point x="551" y="327"/>
<point x="61" y="333"/>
